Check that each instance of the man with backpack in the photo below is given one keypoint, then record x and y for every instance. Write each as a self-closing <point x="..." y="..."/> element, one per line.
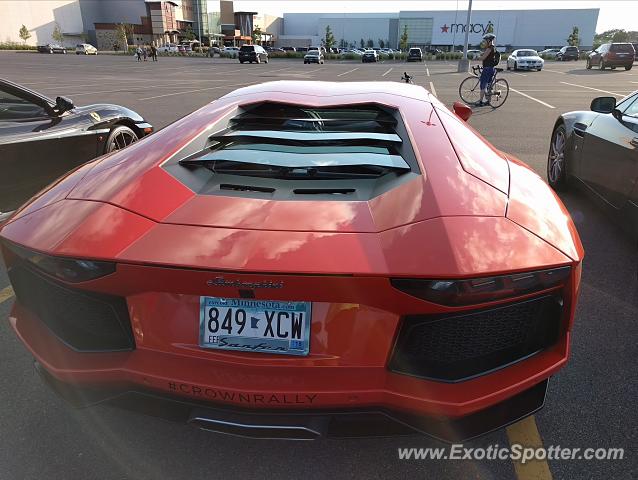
<point x="490" y="59"/>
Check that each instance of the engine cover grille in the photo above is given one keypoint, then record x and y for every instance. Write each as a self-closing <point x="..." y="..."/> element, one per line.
<point x="455" y="347"/>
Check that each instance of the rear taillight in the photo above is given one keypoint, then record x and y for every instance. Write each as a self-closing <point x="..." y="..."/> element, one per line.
<point x="473" y="291"/>
<point x="66" y="269"/>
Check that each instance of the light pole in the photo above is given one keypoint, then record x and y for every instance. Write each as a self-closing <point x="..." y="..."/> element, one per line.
<point x="199" y="25"/>
<point x="464" y="63"/>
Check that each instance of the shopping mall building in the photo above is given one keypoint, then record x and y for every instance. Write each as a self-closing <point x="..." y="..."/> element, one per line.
<point x="444" y="29"/>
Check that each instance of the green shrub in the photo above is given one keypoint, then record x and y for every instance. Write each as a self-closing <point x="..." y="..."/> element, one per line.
<point x="16" y="46"/>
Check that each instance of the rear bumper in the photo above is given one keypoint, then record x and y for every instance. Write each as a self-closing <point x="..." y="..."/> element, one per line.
<point x="302" y="424"/>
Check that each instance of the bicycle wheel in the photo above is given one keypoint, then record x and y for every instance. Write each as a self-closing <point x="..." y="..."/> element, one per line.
<point x="470" y="90"/>
<point x="499" y="92"/>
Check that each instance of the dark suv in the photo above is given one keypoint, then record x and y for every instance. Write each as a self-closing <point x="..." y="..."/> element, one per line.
<point x="612" y="55"/>
<point x="415" y="55"/>
<point x="567" y="53"/>
<point x="253" y="53"/>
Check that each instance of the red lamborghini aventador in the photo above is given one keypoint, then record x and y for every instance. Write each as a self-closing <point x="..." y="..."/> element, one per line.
<point x="299" y="259"/>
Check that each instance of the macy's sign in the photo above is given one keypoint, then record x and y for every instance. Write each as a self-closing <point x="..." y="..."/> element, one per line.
<point x="474" y="28"/>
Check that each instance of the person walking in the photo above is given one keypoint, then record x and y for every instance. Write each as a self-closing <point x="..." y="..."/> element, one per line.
<point x="145" y="52"/>
<point x="154" y="53"/>
<point x="138" y="53"/>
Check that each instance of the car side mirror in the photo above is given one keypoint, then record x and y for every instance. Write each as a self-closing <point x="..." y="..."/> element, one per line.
<point x="462" y="111"/>
<point x="64" y="104"/>
<point x="603" y="104"/>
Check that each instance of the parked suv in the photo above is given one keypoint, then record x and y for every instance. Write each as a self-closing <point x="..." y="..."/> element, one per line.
<point x="567" y="53"/>
<point x="253" y="53"/>
<point x="415" y="55"/>
<point x="370" y="56"/>
<point x="612" y="55"/>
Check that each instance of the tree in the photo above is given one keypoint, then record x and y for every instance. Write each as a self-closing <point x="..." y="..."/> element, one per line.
<point x="190" y="34"/>
<point x="381" y="44"/>
<point x="369" y="43"/>
<point x="257" y="35"/>
<point x="57" y="34"/>
<point x="329" y="39"/>
<point x="24" y="34"/>
<point x="362" y="43"/>
<point x="122" y="32"/>
<point x="573" y="39"/>
<point x="343" y="43"/>
<point x="403" y="41"/>
<point x="620" y="36"/>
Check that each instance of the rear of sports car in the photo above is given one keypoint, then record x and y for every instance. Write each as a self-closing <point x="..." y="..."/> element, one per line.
<point x="281" y="266"/>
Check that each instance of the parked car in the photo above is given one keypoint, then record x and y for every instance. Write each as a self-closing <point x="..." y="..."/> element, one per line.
<point x="473" y="54"/>
<point x="369" y="56"/>
<point x="598" y="149"/>
<point x="550" y="53"/>
<point x="289" y="49"/>
<point x="184" y="48"/>
<point x="322" y="49"/>
<point x="232" y="52"/>
<point x="567" y="53"/>
<point x="433" y="51"/>
<point x="85" y="49"/>
<point x="169" y="48"/>
<point x="41" y="139"/>
<point x="612" y="55"/>
<point x="302" y="49"/>
<point x="51" y="48"/>
<point x="212" y="51"/>
<point x="154" y="278"/>
<point x="253" y="53"/>
<point x="525" y="59"/>
<point x="314" y="56"/>
<point x="415" y="55"/>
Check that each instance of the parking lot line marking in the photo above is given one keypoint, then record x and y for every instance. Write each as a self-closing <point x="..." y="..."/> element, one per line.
<point x="427" y="71"/>
<point x="387" y="71"/>
<point x="198" y="90"/>
<point x="139" y="87"/>
<point x="6" y="294"/>
<point x="595" y="89"/>
<point x="521" y="74"/>
<point x="532" y="98"/>
<point x="555" y="71"/>
<point x="432" y="89"/>
<point x="525" y="433"/>
<point x="346" y="73"/>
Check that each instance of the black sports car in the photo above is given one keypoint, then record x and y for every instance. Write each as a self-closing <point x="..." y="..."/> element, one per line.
<point x="51" y="48"/>
<point x="598" y="149"/>
<point x="41" y="139"/>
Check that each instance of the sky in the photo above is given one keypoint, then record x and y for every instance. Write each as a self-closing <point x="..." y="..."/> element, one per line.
<point x="613" y="13"/>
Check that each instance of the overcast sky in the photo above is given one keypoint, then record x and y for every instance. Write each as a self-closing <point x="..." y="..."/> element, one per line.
<point x="613" y="13"/>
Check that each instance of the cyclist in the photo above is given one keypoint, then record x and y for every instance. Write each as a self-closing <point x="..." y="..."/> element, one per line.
<point x="488" y="57"/>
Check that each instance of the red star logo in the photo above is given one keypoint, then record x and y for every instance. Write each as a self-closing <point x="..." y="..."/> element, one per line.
<point x="444" y="28"/>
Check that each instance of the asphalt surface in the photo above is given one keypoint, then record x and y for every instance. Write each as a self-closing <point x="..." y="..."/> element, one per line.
<point x="590" y="403"/>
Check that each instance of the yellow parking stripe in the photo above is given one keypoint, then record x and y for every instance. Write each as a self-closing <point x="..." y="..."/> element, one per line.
<point x="6" y="294"/>
<point x="525" y="433"/>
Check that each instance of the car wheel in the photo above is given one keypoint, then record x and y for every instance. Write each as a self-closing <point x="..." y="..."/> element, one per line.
<point x="77" y="53"/>
<point x="556" y="159"/>
<point x="613" y="68"/>
<point x="515" y="66"/>
<point x="588" y="65"/>
<point x="119" y="138"/>
<point x="602" y="65"/>
<point x="628" y="67"/>
<point x="266" y="61"/>
<point x="241" y="61"/>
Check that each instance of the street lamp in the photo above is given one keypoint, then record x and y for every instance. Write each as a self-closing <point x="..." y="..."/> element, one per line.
<point x="464" y="63"/>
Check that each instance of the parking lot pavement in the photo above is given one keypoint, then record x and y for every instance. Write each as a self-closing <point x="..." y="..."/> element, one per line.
<point x="590" y="403"/>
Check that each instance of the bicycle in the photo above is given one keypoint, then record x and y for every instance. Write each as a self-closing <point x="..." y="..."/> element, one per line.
<point x="407" y="78"/>
<point x="495" y="94"/>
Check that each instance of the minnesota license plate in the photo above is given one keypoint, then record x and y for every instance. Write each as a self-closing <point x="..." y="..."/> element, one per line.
<point x="264" y="326"/>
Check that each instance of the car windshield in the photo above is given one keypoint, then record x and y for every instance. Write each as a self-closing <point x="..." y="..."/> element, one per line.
<point x="247" y="48"/>
<point x="622" y="47"/>
<point x="527" y="53"/>
<point x="313" y="53"/>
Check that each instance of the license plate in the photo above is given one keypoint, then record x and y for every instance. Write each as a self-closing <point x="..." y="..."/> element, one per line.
<point x="264" y="326"/>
